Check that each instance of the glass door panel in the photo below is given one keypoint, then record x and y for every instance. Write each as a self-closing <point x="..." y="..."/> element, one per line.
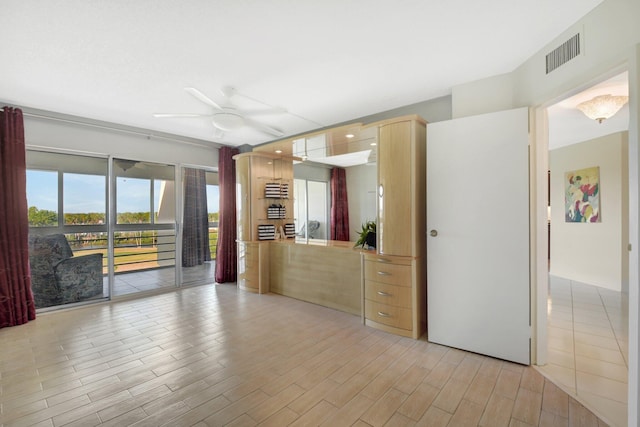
<point x="144" y="234"/>
<point x="67" y="216"/>
<point x="199" y="226"/>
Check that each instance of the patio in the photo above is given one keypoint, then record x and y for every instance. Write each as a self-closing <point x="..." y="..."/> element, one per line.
<point x="159" y="278"/>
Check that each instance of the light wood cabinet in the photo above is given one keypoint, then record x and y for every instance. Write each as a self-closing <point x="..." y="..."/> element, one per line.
<point x="395" y="277"/>
<point x="395" y="294"/>
<point x="264" y="185"/>
<point x="388" y="287"/>
<point x="262" y="181"/>
<point x="253" y="266"/>
<point x="327" y="274"/>
<point x="402" y="187"/>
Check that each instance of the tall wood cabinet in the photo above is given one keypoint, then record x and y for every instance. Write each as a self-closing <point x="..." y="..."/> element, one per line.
<point x="395" y="276"/>
<point x="264" y="202"/>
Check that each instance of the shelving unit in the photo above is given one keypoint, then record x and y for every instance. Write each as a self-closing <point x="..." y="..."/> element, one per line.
<point x="257" y="175"/>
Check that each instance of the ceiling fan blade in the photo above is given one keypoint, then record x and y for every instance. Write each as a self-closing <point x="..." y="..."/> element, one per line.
<point x="202" y="97"/>
<point x="180" y="115"/>
<point x="262" y="127"/>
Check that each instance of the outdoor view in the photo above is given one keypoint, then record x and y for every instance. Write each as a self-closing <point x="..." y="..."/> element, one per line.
<point x="139" y="201"/>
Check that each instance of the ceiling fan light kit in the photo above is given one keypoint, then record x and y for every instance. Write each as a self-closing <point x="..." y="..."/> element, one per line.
<point x="227" y="121"/>
<point x="602" y="107"/>
<point x="227" y="117"/>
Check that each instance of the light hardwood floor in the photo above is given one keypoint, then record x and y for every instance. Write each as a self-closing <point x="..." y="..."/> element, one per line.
<point x="214" y="356"/>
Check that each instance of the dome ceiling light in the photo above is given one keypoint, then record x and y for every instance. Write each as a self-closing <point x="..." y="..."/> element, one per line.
<point x="602" y="107"/>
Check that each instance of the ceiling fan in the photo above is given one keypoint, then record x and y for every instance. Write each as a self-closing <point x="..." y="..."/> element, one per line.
<point x="227" y="117"/>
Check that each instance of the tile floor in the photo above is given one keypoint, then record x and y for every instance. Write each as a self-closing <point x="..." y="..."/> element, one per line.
<point x="588" y="346"/>
<point x="215" y="356"/>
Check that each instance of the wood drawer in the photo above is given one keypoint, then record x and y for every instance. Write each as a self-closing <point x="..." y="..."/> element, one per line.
<point x="251" y="255"/>
<point x="396" y="317"/>
<point x="392" y="274"/>
<point x="397" y="296"/>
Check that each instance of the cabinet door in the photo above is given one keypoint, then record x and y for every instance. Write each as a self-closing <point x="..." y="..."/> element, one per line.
<point x="394" y="189"/>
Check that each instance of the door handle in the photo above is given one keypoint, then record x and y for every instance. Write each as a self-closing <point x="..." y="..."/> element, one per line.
<point x="433" y="233"/>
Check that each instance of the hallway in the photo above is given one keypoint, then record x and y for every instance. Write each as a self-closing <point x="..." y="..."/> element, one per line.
<point x="588" y="346"/>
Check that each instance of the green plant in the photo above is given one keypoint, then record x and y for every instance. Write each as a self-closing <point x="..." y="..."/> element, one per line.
<point x="367" y="227"/>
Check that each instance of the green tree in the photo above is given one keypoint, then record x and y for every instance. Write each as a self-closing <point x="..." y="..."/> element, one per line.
<point x="134" y="218"/>
<point x="42" y="217"/>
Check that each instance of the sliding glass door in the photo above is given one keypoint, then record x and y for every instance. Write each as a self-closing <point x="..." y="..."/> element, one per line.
<point x="199" y="226"/>
<point x="67" y="199"/>
<point x="143" y="239"/>
<point x="102" y="228"/>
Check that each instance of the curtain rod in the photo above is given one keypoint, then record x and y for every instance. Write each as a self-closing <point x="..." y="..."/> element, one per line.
<point x="75" y="120"/>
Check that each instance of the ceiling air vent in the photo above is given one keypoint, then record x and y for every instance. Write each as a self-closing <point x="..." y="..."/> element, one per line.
<point x="563" y="53"/>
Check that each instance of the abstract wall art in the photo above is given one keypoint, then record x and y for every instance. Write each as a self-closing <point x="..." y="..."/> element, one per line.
<point x="582" y="195"/>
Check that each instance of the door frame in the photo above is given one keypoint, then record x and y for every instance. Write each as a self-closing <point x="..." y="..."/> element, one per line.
<point x="539" y="165"/>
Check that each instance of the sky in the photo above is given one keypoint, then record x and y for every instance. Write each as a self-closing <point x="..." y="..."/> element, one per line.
<point x="86" y="193"/>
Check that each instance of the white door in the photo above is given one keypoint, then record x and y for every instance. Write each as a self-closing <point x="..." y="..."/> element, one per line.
<point x="478" y="263"/>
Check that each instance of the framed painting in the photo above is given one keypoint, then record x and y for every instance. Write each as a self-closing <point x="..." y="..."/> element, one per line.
<point x="582" y="195"/>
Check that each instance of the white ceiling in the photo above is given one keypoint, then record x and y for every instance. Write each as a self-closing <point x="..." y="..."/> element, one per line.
<point x="325" y="62"/>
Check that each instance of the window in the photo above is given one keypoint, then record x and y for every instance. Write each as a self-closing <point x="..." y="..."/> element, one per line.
<point x="133" y="200"/>
<point x="66" y="190"/>
<point x="84" y="199"/>
<point x="42" y="198"/>
<point x="67" y="195"/>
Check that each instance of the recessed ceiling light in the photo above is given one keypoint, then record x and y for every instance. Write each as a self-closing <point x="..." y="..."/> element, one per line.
<point x="373" y="144"/>
<point x="278" y="151"/>
<point x="349" y="135"/>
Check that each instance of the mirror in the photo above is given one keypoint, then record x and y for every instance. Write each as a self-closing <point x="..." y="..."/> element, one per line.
<point x="344" y="146"/>
<point x="352" y="147"/>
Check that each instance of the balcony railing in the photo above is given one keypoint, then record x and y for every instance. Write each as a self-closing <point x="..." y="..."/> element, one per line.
<point x="135" y="250"/>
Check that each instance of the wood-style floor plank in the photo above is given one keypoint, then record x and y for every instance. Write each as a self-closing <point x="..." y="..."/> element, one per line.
<point x="215" y="356"/>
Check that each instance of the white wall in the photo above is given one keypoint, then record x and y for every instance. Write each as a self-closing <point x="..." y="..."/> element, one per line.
<point x="484" y="96"/>
<point x="591" y="253"/>
<point x="609" y="33"/>
<point x="61" y="135"/>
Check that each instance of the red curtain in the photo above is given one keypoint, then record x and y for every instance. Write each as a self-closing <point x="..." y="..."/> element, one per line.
<point x="226" y="261"/>
<point x="16" y="299"/>
<point x="339" y="205"/>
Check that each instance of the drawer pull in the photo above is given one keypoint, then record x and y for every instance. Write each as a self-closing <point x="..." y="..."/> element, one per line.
<point x="383" y="260"/>
<point x="384" y="294"/>
<point x="383" y="314"/>
<point x="384" y="273"/>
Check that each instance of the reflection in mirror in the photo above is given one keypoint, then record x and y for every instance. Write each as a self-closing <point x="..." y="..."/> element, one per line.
<point x="343" y="146"/>
<point x="353" y="147"/>
<point x="300" y="207"/>
<point x="311" y="209"/>
<point x="317" y="225"/>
